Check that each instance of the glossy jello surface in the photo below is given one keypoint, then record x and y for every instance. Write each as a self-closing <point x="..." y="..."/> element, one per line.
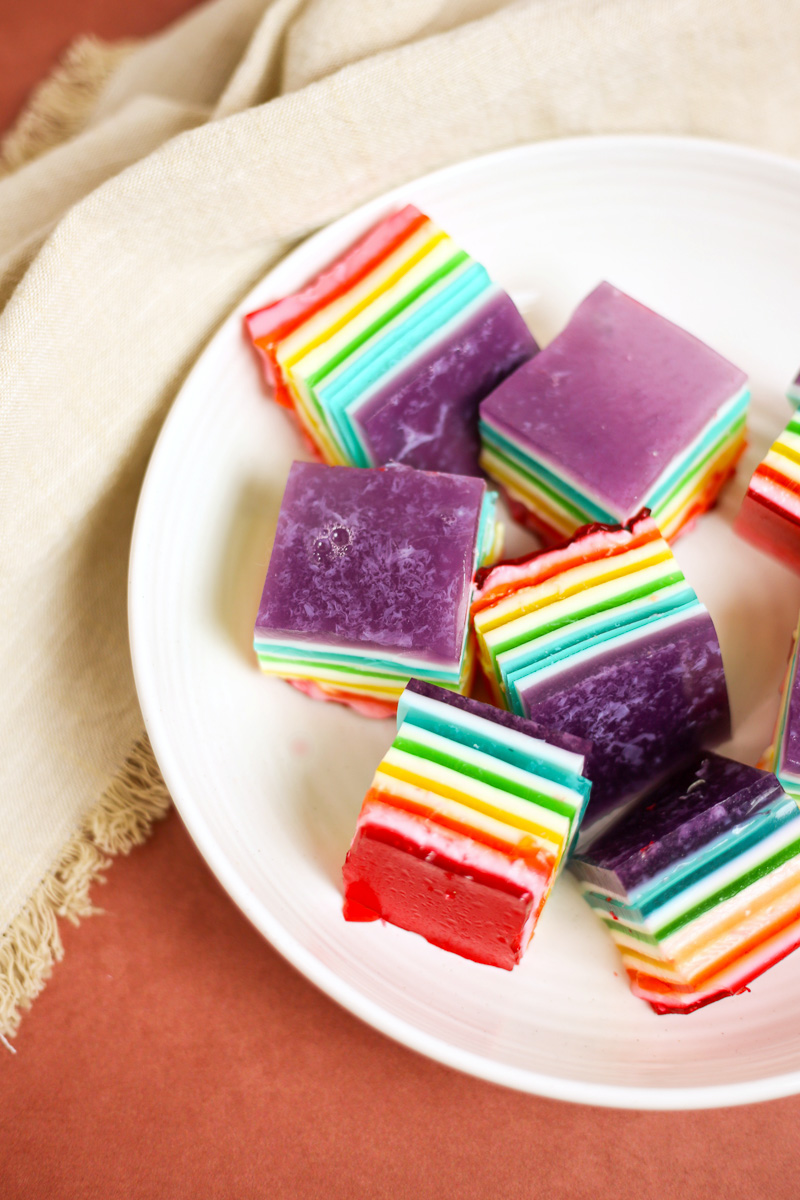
<point x="649" y="700"/>
<point x="426" y="414"/>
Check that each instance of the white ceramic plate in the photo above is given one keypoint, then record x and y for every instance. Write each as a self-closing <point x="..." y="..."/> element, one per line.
<point x="270" y="783"/>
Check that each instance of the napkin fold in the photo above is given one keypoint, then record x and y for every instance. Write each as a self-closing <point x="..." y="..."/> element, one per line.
<point x="147" y="189"/>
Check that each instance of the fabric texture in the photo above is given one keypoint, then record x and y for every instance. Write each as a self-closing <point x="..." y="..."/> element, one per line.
<point x="196" y="161"/>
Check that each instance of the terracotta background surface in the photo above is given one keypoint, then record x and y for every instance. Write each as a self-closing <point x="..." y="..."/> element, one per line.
<point x="175" y="1054"/>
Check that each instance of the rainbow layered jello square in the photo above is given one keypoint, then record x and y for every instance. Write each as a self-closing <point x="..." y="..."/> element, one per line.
<point x="370" y="581"/>
<point x="469" y="817"/>
<point x="622" y="411"/>
<point x="604" y="638"/>
<point x="386" y="355"/>
<point x="699" y="885"/>
<point x="770" y="514"/>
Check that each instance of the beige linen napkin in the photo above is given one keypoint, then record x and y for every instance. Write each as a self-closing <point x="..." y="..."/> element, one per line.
<point x="207" y="152"/>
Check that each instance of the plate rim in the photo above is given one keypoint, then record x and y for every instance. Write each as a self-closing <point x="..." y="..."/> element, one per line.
<point x="635" y="1097"/>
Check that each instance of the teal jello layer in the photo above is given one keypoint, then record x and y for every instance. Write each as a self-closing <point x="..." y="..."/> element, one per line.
<point x="536" y="757"/>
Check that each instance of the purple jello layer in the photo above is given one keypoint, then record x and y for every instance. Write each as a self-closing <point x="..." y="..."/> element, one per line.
<point x="382" y="559"/>
<point x="523" y="725"/>
<point x="680" y="816"/>
<point x="427" y="416"/>
<point x="646" y="706"/>
<point x="614" y="398"/>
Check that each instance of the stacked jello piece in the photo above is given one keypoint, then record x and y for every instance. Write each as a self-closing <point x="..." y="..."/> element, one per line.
<point x="386" y="355"/>
<point x="468" y="819"/>
<point x="622" y="411"/>
<point x="770" y="514"/>
<point x="370" y="581"/>
<point x="603" y="637"/>
<point x="699" y="885"/>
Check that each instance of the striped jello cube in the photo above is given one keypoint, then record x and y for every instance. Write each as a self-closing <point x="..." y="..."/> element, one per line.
<point x="370" y="581"/>
<point x="604" y="638"/>
<point x="770" y="514"/>
<point x="622" y="411"/>
<point x="386" y="355"/>
<point x="699" y="885"/>
<point x="469" y="817"/>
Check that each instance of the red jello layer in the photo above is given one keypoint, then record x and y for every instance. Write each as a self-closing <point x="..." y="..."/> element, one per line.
<point x="770" y="529"/>
<point x="479" y="916"/>
<point x="377" y="801"/>
<point x="366" y="706"/>
<point x="494" y="583"/>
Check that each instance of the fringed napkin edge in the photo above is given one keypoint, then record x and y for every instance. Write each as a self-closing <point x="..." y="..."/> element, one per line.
<point x="61" y="105"/>
<point x="123" y="818"/>
<point x="137" y="797"/>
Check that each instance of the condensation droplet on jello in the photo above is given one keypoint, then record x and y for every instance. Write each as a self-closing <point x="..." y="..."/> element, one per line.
<point x="341" y="537"/>
<point x="331" y="543"/>
<point x="323" y="553"/>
